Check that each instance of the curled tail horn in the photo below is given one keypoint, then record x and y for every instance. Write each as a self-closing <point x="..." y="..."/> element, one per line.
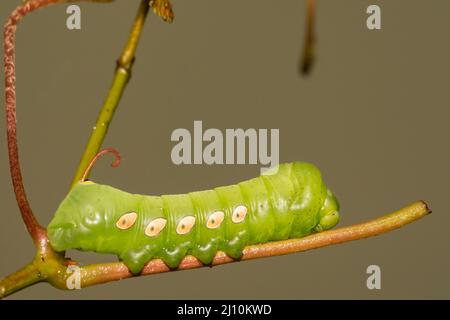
<point x="114" y="164"/>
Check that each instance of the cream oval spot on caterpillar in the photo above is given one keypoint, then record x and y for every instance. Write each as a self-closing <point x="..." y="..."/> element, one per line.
<point x="215" y="220"/>
<point x="155" y="227"/>
<point x="185" y="225"/>
<point x="126" y="221"/>
<point x="239" y="214"/>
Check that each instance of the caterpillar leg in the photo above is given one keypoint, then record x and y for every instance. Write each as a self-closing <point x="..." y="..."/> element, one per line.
<point x="236" y="222"/>
<point x="329" y="214"/>
<point x="181" y="231"/>
<point x="210" y="231"/>
<point x="136" y="259"/>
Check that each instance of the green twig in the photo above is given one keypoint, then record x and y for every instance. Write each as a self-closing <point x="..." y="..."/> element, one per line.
<point x="121" y="78"/>
<point x="52" y="268"/>
<point x="22" y="278"/>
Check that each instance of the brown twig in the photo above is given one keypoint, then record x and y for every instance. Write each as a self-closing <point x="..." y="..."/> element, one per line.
<point x="102" y="273"/>
<point x="36" y="231"/>
<point x="52" y="268"/>
<point x="47" y="264"/>
<point x="309" y="44"/>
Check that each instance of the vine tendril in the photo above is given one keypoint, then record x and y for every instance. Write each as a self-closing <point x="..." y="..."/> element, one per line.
<point x="36" y="231"/>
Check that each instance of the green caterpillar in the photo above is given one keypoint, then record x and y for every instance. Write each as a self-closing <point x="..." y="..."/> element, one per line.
<point x="289" y="203"/>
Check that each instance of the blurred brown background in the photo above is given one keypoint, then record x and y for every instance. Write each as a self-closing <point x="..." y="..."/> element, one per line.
<point x="373" y="116"/>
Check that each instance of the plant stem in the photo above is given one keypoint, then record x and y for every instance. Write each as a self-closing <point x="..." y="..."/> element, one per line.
<point x="22" y="278"/>
<point x="102" y="273"/>
<point x="121" y="78"/>
<point x="36" y="231"/>
<point x="310" y="38"/>
<point x="49" y="266"/>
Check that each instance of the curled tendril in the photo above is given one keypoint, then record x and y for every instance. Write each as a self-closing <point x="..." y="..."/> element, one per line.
<point x="114" y="164"/>
<point x="36" y="231"/>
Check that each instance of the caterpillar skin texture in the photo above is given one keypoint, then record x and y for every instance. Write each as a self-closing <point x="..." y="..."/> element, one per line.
<point x="291" y="203"/>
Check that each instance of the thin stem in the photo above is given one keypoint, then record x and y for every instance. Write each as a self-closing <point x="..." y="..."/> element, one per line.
<point x="310" y="38"/>
<point x="102" y="273"/>
<point x="47" y="265"/>
<point x="36" y="231"/>
<point x="121" y="78"/>
<point x="22" y="278"/>
<point x="52" y="267"/>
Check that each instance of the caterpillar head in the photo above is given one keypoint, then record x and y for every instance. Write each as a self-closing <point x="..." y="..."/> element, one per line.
<point x="329" y="213"/>
<point x="91" y="217"/>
